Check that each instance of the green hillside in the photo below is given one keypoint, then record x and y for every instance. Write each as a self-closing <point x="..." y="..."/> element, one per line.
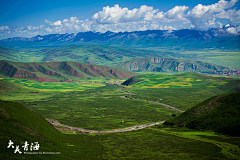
<point x="187" y="80"/>
<point x="116" y="56"/>
<point x="220" y="114"/>
<point x="78" y="108"/>
<point x="18" y="124"/>
<point x="94" y="54"/>
<point x="182" y="91"/>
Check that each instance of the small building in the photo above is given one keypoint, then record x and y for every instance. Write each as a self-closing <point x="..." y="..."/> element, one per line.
<point x="173" y="115"/>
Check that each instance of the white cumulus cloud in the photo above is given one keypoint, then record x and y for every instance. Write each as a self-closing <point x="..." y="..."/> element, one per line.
<point x="56" y="23"/>
<point x="176" y="13"/>
<point x="122" y="19"/>
<point x="2" y="28"/>
<point x="201" y="13"/>
<point x="233" y="30"/>
<point x="117" y="14"/>
<point x="232" y="15"/>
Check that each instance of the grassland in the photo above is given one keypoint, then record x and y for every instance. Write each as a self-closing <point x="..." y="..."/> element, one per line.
<point x="25" y="90"/>
<point x="95" y="54"/>
<point x="19" y="125"/>
<point x="177" y="81"/>
<point x="157" y="142"/>
<point x="224" y="57"/>
<point x="218" y="57"/>
<point x="53" y="86"/>
<point x="113" y="56"/>
<point x="182" y="91"/>
<point x="170" y="143"/>
<point x="219" y="114"/>
<point x="101" y="108"/>
<point x="75" y="105"/>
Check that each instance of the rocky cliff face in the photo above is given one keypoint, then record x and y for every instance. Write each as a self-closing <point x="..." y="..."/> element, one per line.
<point x="155" y="64"/>
<point x="54" y="71"/>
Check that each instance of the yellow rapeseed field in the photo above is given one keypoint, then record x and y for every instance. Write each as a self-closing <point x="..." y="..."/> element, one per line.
<point x="188" y="79"/>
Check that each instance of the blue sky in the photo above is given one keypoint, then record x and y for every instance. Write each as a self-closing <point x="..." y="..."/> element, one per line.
<point x="28" y="18"/>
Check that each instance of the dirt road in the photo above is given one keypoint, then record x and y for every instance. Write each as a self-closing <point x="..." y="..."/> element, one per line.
<point x="81" y="130"/>
<point x="165" y="105"/>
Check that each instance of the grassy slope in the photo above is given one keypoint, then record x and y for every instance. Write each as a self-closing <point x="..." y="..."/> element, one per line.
<point x="13" y="89"/>
<point x="79" y="108"/>
<point x="149" y="143"/>
<point x="220" y="57"/>
<point x="159" y="142"/>
<point x="220" y="114"/>
<point x="179" y="90"/>
<point x="113" y="56"/>
<point x="18" y="124"/>
<point x="186" y="80"/>
<point x="95" y="54"/>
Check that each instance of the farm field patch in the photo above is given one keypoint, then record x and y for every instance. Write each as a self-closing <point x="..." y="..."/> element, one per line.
<point x="177" y="80"/>
<point x="53" y="86"/>
<point x="218" y="57"/>
<point x="181" y="91"/>
<point x="28" y="90"/>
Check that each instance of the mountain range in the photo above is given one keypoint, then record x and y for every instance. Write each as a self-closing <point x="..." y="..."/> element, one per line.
<point x="141" y="51"/>
<point x="215" y="37"/>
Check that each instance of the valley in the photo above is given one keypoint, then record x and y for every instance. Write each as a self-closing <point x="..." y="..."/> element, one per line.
<point x="101" y="108"/>
<point x="120" y="80"/>
<point x="127" y="95"/>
